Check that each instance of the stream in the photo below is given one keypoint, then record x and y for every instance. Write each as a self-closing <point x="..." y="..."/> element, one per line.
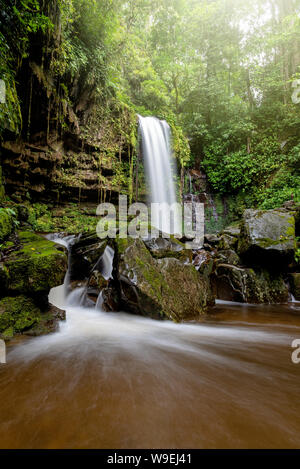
<point x="109" y="380"/>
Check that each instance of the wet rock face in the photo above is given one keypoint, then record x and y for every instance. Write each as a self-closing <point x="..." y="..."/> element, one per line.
<point x="162" y="288"/>
<point x="85" y="253"/>
<point x="267" y="237"/>
<point x="244" y="285"/>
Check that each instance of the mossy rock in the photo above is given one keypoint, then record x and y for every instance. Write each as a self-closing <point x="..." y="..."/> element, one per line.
<point x="267" y="237"/>
<point x="36" y="266"/>
<point x="21" y="315"/>
<point x="162" y="288"/>
<point x="228" y="256"/>
<point x="48" y="322"/>
<point x="227" y="242"/>
<point x="233" y="230"/>
<point x="6" y="224"/>
<point x="17" y="314"/>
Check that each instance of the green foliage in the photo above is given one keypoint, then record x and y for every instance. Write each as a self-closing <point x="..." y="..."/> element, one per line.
<point x="219" y="71"/>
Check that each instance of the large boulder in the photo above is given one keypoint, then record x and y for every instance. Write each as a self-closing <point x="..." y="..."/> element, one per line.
<point x="32" y="266"/>
<point x="267" y="238"/>
<point x="162" y="288"/>
<point x="235" y="283"/>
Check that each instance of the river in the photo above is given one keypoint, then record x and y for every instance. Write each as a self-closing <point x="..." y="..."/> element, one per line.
<point x="114" y="380"/>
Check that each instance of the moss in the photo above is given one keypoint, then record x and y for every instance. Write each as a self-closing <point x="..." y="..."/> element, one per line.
<point x="8" y="333"/>
<point x="37" y="266"/>
<point x="7" y="245"/>
<point x="2" y="192"/>
<point x="18" y="313"/>
<point x="4" y="278"/>
<point x="267" y="242"/>
<point x="6" y="224"/>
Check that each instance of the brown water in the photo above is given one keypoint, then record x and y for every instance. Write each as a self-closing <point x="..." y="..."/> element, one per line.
<point x="120" y="381"/>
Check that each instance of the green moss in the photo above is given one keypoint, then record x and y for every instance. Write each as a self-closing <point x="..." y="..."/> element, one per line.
<point x="267" y="242"/>
<point x="18" y="313"/>
<point x="6" y="224"/>
<point x="8" y="333"/>
<point x="37" y="266"/>
<point x="2" y="192"/>
<point x="4" y="278"/>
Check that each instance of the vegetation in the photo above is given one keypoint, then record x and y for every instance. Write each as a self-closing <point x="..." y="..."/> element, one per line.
<point x="221" y="72"/>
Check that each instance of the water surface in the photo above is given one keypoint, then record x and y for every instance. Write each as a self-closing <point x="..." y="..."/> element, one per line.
<point x="109" y="380"/>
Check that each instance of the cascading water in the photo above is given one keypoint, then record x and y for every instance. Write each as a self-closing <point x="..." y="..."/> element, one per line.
<point x="160" y="172"/>
<point x="58" y="295"/>
<point x="62" y="296"/>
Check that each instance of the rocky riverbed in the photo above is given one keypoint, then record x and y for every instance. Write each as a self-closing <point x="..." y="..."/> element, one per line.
<point x="252" y="261"/>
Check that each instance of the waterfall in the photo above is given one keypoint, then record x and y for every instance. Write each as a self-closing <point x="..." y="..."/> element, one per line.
<point x="160" y="173"/>
<point x="58" y="295"/>
<point x="63" y="296"/>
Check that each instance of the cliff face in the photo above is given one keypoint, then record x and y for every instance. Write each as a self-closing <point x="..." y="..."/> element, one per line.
<point x="69" y="143"/>
<point x="67" y="168"/>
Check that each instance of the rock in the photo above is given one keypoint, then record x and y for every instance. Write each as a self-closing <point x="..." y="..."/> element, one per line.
<point x="21" y="314"/>
<point x="267" y="237"/>
<point x="163" y="247"/>
<point x="85" y="253"/>
<point x="6" y="224"/>
<point x="204" y="262"/>
<point x="229" y="237"/>
<point x="228" y="256"/>
<point x="35" y="267"/>
<point x="18" y="314"/>
<point x="233" y="230"/>
<point x="295" y="285"/>
<point x="212" y="239"/>
<point x="95" y="285"/>
<point x="163" y="288"/>
<point x="23" y="212"/>
<point x="227" y="242"/>
<point x="48" y="322"/>
<point x="233" y="283"/>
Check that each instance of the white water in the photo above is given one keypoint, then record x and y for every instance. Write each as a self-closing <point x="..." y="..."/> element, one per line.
<point x="160" y="173"/>
<point x="106" y="263"/>
<point x="58" y="295"/>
